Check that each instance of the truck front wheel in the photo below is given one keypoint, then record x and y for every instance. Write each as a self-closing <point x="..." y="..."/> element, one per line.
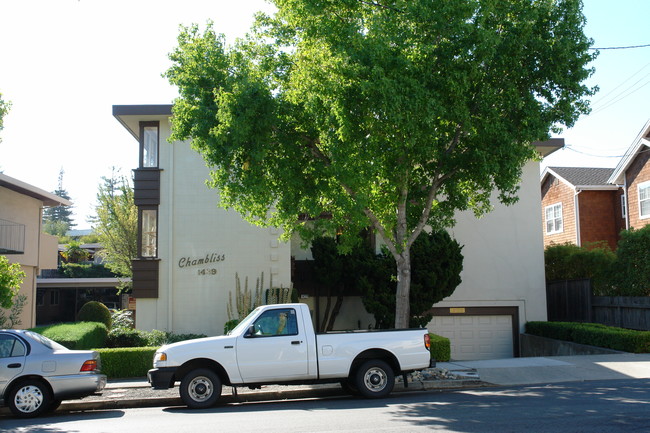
<point x="200" y="388"/>
<point x="374" y="379"/>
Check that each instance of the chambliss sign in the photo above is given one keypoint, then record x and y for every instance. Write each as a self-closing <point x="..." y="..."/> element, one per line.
<point x="188" y="262"/>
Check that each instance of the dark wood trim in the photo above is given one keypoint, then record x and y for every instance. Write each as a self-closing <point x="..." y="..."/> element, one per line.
<point x="513" y="312"/>
<point x="146" y="186"/>
<point x="145" y="278"/>
<point x="142" y="110"/>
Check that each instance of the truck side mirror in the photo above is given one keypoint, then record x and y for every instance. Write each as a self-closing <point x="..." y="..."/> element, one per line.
<point x="250" y="332"/>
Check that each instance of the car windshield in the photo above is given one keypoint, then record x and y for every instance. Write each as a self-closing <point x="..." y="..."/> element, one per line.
<point x="50" y="344"/>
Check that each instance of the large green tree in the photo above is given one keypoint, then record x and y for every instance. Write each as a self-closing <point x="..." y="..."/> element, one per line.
<point x="11" y="277"/>
<point x="57" y="220"/>
<point x="4" y="109"/>
<point x="385" y="114"/>
<point x="116" y="224"/>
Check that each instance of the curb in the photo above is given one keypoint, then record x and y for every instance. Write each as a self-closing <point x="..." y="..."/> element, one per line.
<point x="244" y="397"/>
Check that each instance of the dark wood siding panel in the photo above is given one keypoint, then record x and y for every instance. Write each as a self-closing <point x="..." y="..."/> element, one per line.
<point x="145" y="278"/>
<point x="146" y="187"/>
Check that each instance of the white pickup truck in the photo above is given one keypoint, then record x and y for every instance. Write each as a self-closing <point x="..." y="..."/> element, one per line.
<point x="276" y="344"/>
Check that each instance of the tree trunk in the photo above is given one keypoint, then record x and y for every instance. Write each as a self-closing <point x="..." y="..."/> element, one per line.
<point x="402" y="304"/>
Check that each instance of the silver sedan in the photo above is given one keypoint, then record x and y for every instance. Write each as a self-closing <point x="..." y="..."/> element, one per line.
<point x="36" y="373"/>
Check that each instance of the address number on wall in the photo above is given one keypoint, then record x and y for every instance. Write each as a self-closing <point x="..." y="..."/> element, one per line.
<point x="211" y="271"/>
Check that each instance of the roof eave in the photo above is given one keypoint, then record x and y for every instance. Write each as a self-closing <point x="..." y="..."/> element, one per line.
<point x="48" y="199"/>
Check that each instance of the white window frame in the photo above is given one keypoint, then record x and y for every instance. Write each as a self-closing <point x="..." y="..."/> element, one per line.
<point x="623" y="206"/>
<point x="149" y="232"/>
<point x="554" y="214"/>
<point x="645" y="201"/>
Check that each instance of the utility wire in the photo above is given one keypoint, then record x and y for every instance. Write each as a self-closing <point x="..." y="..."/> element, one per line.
<point x="620" y="48"/>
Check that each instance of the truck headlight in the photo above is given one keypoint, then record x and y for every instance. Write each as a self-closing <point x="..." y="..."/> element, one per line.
<point x="160" y="357"/>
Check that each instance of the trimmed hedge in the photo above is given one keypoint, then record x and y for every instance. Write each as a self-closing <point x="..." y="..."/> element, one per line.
<point x="593" y="334"/>
<point x="440" y="348"/>
<point x="127" y="361"/>
<point x="76" y="336"/>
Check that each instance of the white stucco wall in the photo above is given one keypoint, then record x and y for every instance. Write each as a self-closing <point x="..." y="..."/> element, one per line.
<point x="504" y="255"/>
<point x="191" y="226"/>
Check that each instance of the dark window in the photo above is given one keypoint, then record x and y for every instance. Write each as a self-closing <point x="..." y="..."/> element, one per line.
<point x="54" y="297"/>
<point x="40" y="297"/>
<point x="10" y="346"/>
<point x="277" y="322"/>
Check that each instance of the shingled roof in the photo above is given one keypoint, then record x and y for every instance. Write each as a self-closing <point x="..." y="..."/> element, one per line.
<point x="583" y="176"/>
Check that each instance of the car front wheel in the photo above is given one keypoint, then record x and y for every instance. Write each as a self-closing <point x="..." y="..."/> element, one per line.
<point x="30" y="398"/>
<point x="200" y="389"/>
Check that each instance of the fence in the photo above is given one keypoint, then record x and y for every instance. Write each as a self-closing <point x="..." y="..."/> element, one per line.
<point x="572" y="301"/>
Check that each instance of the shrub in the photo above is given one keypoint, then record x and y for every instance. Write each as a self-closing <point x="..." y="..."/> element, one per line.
<point x="568" y="262"/>
<point x="127" y="362"/>
<point x="230" y="325"/>
<point x="121" y="319"/>
<point x="593" y="334"/>
<point x="76" y="336"/>
<point x="80" y="270"/>
<point x="175" y="338"/>
<point x="440" y="348"/>
<point x="125" y="337"/>
<point x="94" y="311"/>
<point x="632" y="276"/>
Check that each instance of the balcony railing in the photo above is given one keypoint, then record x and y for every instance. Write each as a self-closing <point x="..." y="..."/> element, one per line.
<point x="12" y="237"/>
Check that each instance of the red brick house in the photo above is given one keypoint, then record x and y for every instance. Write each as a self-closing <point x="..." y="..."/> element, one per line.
<point x="580" y="206"/>
<point x="587" y="204"/>
<point x="633" y="172"/>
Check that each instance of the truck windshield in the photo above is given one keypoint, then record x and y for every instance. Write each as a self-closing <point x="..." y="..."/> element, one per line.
<point x="243" y="324"/>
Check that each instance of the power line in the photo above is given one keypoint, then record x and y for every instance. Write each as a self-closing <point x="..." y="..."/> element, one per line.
<point x="620" y="48"/>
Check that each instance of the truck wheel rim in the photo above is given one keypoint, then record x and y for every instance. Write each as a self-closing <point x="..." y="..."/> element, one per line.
<point x="375" y="379"/>
<point x="28" y="399"/>
<point x="200" y="388"/>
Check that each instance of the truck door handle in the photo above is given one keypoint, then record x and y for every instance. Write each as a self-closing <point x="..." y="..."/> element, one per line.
<point x="14" y="366"/>
<point x="296" y="342"/>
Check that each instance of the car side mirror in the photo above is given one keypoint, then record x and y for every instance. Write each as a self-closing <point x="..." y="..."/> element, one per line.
<point x="250" y="332"/>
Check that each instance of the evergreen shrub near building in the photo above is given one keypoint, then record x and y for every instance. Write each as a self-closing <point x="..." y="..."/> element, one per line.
<point x="94" y="311"/>
<point x="593" y="334"/>
<point x="76" y="336"/>
<point x="440" y="348"/>
<point x="126" y="362"/>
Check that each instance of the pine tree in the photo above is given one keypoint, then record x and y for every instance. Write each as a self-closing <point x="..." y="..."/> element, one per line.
<point x="58" y="220"/>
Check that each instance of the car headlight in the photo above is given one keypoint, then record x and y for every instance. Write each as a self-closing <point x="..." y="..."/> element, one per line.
<point x="159" y="357"/>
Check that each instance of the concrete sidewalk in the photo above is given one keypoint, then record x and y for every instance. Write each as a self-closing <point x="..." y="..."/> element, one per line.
<point x="554" y="369"/>
<point x="133" y="393"/>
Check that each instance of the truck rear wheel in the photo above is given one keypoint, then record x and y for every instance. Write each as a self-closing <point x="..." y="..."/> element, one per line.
<point x="374" y="379"/>
<point x="200" y="388"/>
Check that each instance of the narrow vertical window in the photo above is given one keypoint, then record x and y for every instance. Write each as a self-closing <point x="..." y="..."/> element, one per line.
<point x="644" y="200"/>
<point x="554" y="218"/>
<point x="149" y="233"/>
<point x="149" y="144"/>
<point x="623" y="207"/>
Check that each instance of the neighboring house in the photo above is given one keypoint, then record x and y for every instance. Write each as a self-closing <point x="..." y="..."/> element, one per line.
<point x="189" y="251"/>
<point x="580" y="206"/>
<point x="60" y="297"/>
<point x="21" y="238"/>
<point x="633" y="172"/>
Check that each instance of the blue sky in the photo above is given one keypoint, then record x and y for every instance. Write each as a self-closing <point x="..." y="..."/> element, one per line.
<point x="64" y="63"/>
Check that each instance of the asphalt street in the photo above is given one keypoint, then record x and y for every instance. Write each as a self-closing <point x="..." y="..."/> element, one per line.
<point x="590" y="406"/>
